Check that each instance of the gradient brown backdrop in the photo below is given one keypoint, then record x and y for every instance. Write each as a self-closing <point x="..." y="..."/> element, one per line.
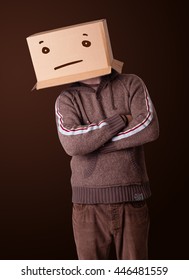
<point x="35" y="192"/>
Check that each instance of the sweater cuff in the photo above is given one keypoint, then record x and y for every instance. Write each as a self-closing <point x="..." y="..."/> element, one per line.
<point x="116" y="124"/>
<point x="107" y="148"/>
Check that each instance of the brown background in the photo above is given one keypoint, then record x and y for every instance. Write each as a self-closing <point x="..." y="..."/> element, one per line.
<point x="35" y="193"/>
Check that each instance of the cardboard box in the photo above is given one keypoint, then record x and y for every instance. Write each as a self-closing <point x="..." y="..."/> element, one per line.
<point x="72" y="53"/>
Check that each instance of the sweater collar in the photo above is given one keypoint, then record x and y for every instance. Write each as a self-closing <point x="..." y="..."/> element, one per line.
<point x="106" y="79"/>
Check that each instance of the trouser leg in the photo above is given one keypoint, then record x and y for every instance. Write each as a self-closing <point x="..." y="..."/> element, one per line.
<point x="131" y="240"/>
<point x="91" y="234"/>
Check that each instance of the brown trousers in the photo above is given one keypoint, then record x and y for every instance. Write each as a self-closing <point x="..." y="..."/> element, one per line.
<point x="97" y="226"/>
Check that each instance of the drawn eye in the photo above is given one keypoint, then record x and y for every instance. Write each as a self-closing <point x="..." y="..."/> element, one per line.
<point x="86" y="43"/>
<point x="45" y="50"/>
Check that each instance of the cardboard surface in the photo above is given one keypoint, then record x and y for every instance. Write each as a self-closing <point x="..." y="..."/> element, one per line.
<point x="72" y="53"/>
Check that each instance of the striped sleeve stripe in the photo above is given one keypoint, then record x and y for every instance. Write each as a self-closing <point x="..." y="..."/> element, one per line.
<point x="141" y="125"/>
<point x="79" y="130"/>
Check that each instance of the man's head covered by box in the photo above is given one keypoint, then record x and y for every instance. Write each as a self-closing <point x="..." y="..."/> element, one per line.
<point x="72" y="53"/>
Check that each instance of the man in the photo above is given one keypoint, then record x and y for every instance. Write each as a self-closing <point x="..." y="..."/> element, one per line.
<point x="103" y="120"/>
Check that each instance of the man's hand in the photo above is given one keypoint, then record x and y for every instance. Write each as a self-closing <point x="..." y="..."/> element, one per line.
<point x="127" y="119"/>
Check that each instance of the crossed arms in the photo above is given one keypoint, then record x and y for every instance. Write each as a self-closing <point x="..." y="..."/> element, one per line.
<point x="110" y="134"/>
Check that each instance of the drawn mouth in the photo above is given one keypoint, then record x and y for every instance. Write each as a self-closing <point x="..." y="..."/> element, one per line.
<point x="67" y="64"/>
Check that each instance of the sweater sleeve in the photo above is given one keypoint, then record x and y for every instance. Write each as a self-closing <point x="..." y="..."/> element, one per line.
<point x="144" y="126"/>
<point x="79" y="139"/>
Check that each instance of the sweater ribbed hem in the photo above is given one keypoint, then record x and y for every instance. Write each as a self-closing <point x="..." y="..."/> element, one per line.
<point x="116" y="194"/>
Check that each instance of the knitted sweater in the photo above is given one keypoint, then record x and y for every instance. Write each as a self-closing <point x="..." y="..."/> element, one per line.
<point x="108" y="164"/>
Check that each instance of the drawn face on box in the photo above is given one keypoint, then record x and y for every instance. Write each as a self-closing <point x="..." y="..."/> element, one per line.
<point x="68" y="51"/>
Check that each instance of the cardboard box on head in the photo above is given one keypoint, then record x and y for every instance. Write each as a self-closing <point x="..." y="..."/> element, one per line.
<point x="72" y="53"/>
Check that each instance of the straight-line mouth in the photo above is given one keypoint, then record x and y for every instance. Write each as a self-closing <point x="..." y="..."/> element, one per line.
<point x="67" y="64"/>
